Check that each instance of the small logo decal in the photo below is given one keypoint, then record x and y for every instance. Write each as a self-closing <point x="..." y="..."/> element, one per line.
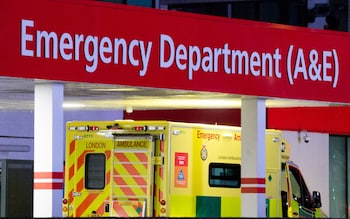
<point x="204" y="153"/>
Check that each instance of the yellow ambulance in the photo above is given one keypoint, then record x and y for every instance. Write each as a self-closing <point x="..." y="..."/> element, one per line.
<point x="169" y="169"/>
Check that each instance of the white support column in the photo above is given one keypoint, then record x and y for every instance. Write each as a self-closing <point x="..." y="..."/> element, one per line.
<point x="253" y="121"/>
<point x="48" y="149"/>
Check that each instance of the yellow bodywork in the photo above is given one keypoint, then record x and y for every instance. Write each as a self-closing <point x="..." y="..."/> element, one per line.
<point x="161" y="168"/>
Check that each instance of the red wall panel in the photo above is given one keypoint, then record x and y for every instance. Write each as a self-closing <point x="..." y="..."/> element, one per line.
<point x="333" y="120"/>
<point x="209" y="116"/>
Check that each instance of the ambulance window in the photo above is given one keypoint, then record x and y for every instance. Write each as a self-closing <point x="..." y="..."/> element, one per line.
<point x="299" y="189"/>
<point x="224" y="175"/>
<point x="95" y="171"/>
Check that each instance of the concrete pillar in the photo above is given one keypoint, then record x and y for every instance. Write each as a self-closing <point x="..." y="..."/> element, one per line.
<point x="253" y="121"/>
<point x="48" y="149"/>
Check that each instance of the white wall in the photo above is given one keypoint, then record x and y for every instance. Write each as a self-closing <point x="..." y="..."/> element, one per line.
<point x="17" y="130"/>
<point x="313" y="159"/>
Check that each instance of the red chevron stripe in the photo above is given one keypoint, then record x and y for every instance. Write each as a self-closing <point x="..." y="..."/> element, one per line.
<point x="142" y="157"/>
<point x="160" y="195"/>
<point x="85" y="204"/>
<point x="119" y="181"/>
<point x="161" y="146"/>
<point x="121" y="157"/>
<point x="71" y="171"/>
<point x="70" y="194"/>
<point x="161" y="174"/>
<point x="140" y="181"/>
<point x="101" y="209"/>
<point x="108" y="174"/>
<point x="108" y="177"/>
<point x="71" y="147"/>
<point x="81" y="159"/>
<point x="108" y="154"/>
<point x="119" y="210"/>
<point x="80" y="185"/>
<point x="131" y="169"/>
<point x="126" y="190"/>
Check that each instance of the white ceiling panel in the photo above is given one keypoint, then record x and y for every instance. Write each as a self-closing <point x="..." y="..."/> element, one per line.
<point x="18" y="94"/>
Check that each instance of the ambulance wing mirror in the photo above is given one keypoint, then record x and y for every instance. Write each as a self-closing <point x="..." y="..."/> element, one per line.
<point x="316" y="196"/>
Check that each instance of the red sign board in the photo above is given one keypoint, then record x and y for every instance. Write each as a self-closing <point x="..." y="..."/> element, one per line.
<point x="181" y="170"/>
<point x="88" y="41"/>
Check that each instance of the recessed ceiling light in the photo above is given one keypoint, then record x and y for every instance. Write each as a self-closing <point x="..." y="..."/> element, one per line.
<point x="73" y="105"/>
<point x="115" y="89"/>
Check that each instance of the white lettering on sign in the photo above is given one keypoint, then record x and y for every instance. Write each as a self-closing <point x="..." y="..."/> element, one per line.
<point x="312" y="65"/>
<point x="95" y="49"/>
<point x="194" y="58"/>
<point x="319" y="67"/>
<point x="26" y="37"/>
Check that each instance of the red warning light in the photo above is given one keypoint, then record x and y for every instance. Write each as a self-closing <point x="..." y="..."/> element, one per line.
<point x="92" y="128"/>
<point x="140" y="128"/>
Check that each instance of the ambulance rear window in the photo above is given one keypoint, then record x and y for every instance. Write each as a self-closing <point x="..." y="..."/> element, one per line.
<point x="95" y="171"/>
<point x="224" y="175"/>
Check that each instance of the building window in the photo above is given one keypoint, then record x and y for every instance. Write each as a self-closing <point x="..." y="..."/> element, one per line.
<point x="339" y="176"/>
<point x="217" y="9"/>
<point x="145" y="3"/>
<point x="291" y="12"/>
<point x="224" y="175"/>
<point x="95" y="168"/>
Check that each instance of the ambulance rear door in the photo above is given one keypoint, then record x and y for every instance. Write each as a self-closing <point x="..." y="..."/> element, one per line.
<point x="132" y="175"/>
<point x="89" y="181"/>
